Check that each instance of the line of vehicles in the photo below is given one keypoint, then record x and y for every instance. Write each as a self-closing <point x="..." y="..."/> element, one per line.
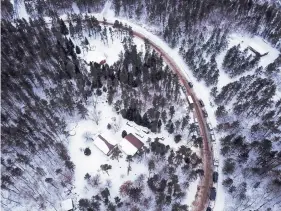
<point x="213" y="191"/>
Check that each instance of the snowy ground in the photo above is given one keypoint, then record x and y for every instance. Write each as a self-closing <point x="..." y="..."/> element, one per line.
<point x="245" y="41"/>
<point x="99" y="51"/>
<point x="19" y="8"/>
<point x="91" y="164"/>
<point x="88" y="164"/>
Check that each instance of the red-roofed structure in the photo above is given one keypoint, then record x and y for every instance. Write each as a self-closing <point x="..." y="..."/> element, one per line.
<point x="102" y="62"/>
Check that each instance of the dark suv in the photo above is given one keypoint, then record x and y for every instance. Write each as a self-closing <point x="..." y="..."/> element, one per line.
<point x="201" y="103"/>
<point x="215" y="177"/>
<point x="190" y="84"/>
<point x="213" y="194"/>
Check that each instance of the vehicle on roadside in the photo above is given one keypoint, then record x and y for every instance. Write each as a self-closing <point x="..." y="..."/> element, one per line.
<point x="213" y="194"/>
<point x="209" y="209"/>
<point x="213" y="139"/>
<point x="216" y="163"/>
<point x="190" y="101"/>
<point x="209" y="126"/>
<point x="205" y="114"/>
<point x="190" y="84"/>
<point x="215" y="176"/>
<point x="201" y="103"/>
<point x="215" y="155"/>
<point x="211" y="205"/>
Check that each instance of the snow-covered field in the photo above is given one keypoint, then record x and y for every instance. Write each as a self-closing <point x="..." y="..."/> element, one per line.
<point x="91" y="164"/>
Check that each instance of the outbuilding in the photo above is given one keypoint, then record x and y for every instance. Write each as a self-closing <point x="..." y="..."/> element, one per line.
<point x="130" y="144"/>
<point x="103" y="145"/>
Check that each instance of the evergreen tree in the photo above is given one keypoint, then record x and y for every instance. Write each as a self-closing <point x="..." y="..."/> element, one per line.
<point x="77" y="49"/>
<point x="105" y="167"/>
<point x="63" y="28"/>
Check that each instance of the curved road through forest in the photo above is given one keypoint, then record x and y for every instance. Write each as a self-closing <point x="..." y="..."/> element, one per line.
<point x="202" y="196"/>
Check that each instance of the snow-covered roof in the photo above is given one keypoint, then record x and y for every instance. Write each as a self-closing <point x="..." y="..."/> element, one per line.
<point x="127" y="147"/>
<point x="67" y="205"/>
<point x="130" y="144"/>
<point x="103" y="145"/>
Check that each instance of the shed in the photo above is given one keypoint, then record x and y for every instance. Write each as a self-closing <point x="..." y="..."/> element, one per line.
<point x="103" y="145"/>
<point x="130" y="145"/>
<point x="67" y="205"/>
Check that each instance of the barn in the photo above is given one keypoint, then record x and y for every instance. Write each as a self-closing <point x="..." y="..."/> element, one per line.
<point x="103" y="145"/>
<point x="130" y="144"/>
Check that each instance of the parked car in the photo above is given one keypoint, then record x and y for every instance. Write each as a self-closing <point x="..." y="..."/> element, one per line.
<point x="215" y="177"/>
<point x="216" y="163"/>
<point x="201" y="103"/>
<point x="205" y="114"/>
<point x="209" y="126"/>
<point x="208" y="209"/>
<point x="213" y="194"/>
<point x="190" y="84"/>
<point x="213" y="139"/>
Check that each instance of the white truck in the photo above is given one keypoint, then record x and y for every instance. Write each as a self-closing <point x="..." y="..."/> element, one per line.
<point x="215" y="154"/>
<point x="190" y="101"/>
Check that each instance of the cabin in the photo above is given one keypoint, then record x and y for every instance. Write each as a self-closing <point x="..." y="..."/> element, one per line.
<point x="103" y="145"/>
<point x="67" y="205"/>
<point x="130" y="144"/>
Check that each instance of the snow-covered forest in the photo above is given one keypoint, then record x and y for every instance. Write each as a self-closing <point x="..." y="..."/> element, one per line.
<point x="67" y="78"/>
<point x="60" y="102"/>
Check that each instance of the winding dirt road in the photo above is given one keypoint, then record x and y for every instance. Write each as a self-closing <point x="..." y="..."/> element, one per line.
<point x="202" y="196"/>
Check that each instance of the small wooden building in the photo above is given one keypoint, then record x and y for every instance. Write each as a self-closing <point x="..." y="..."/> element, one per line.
<point x="103" y="145"/>
<point x="130" y="145"/>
